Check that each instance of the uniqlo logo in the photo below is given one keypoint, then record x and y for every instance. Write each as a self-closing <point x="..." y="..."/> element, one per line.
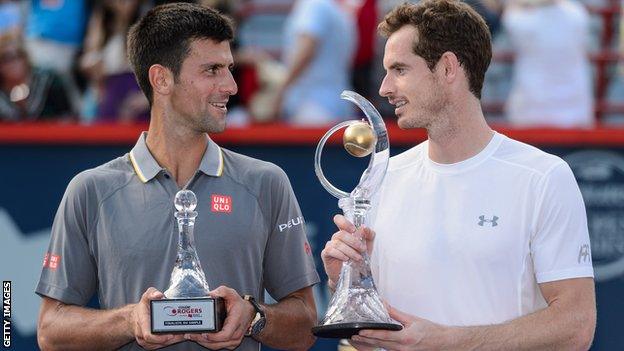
<point x="221" y="203"/>
<point x="307" y="248"/>
<point x="54" y="261"/>
<point x="46" y="259"/>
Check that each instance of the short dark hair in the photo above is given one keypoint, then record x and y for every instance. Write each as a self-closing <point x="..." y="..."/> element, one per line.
<point x="163" y="36"/>
<point x="446" y="25"/>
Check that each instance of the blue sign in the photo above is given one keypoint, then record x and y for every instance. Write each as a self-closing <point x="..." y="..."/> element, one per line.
<point x="34" y="179"/>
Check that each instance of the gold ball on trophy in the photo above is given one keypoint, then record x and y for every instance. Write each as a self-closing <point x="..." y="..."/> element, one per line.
<point x="359" y="139"/>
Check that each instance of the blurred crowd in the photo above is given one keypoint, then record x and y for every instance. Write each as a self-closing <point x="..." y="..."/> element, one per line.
<point x="66" y="60"/>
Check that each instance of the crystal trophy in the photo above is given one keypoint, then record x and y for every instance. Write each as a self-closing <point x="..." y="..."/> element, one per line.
<point x="187" y="306"/>
<point x="356" y="304"/>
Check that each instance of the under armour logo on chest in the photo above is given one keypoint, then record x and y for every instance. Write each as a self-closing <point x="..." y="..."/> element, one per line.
<point x="493" y="222"/>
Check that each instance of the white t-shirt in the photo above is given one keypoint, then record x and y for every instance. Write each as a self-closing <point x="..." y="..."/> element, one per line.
<point x="314" y="98"/>
<point x="467" y="243"/>
<point x="551" y="74"/>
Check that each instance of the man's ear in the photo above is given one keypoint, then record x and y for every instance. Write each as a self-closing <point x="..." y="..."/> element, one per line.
<point x="448" y="66"/>
<point x="161" y="79"/>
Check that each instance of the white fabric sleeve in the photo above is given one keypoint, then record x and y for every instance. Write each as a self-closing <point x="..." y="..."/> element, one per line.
<point x="560" y="244"/>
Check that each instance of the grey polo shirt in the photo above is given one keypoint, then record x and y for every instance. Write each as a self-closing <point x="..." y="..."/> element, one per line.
<point x="115" y="233"/>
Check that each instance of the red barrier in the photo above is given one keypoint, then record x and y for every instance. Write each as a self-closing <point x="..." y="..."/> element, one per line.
<point x="280" y="134"/>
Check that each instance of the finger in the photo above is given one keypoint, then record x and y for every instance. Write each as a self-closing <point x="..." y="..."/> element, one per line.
<point x="367" y="234"/>
<point x="230" y="325"/>
<point x="400" y="316"/>
<point x="347" y="251"/>
<point x="349" y="239"/>
<point x="157" y="340"/>
<point x="343" y="224"/>
<point x="329" y="252"/>
<point x="384" y="344"/>
<point x="148" y="293"/>
<point x="208" y="340"/>
<point x="360" y="346"/>
<point x="143" y="322"/>
<point x="385" y="335"/>
<point x="228" y="294"/>
<point x="218" y="345"/>
<point x="156" y="295"/>
<point x="174" y="339"/>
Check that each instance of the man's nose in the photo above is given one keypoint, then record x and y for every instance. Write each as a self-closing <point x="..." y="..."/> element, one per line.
<point x="230" y="85"/>
<point x="386" y="87"/>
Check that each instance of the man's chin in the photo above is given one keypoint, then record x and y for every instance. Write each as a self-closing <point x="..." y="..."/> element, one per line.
<point x="404" y="123"/>
<point x="215" y="127"/>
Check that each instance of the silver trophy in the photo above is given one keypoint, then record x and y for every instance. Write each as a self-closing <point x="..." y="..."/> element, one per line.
<point x="187" y="306"/>
<point x="356" y="303"/>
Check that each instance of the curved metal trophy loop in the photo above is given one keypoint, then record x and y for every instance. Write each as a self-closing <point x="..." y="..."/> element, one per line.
<point x="356" y="304"/>
<point x="373" y="175"/>
<point x="317" y="161"/>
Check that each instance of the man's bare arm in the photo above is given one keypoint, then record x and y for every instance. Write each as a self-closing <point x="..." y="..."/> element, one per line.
<point x="70" y="327"/>
<point x="289" y="322"/>
<point x="568" y="323"/>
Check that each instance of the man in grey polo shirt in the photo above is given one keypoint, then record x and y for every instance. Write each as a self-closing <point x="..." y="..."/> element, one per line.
<point x="115" y="233"/>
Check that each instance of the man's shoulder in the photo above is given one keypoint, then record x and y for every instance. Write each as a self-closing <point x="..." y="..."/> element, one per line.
<point x="408" y="157"/>
<point x="518" y="154"/>
<point x="249" y="170"/>
<point x="103" y="179"/>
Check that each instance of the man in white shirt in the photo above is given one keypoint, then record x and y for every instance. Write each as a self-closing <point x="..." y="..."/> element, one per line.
<point x="481" y="241"/>
<point x="552" y="80"/>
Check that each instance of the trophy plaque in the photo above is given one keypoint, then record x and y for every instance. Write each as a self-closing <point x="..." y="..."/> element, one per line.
<point x="187" y="306"/>
<point x="356" y="304"/>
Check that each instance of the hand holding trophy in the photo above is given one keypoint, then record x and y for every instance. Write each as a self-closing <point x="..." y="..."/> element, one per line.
<point x="187" y="306"/>
<point x="356" y="304"/>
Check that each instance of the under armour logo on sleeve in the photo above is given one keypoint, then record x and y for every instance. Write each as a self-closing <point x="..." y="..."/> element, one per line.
<point x="493" y="222"/>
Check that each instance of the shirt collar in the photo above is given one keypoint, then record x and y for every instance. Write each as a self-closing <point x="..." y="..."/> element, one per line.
<point x="212" y="161"/>
<point x="146" y="167"/>
<point x="144" y="164"/>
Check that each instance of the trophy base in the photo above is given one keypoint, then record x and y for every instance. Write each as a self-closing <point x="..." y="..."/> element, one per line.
<point x="189" y="315"/>
<point x="347" y="330"/>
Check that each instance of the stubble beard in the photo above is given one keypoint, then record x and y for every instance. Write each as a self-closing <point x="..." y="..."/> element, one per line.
<point x="206" y="123"/>
<point x="427" y="114"/>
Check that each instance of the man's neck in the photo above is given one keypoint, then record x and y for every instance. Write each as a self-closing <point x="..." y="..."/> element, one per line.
<point x="175" y="148"/>
<point x="460" y="135"/>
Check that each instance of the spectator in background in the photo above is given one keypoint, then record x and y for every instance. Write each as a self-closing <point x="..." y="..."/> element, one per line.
<point x="28" y="93"/>
<point x="551" y="83"/>
<point x="361" y="77"/>
<point x="10" y="17"/>
<point x="54" y="34"/>
<point x="320" y="40"/>
<point x="490" y="10"/>
<point x="106" y="64"/>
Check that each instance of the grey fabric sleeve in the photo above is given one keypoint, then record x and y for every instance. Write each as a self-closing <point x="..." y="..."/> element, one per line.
<point x="69" y="271"/>
<point x="288" y="262"/>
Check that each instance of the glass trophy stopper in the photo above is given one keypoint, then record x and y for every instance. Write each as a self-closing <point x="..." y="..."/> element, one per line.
<point x="187" y="278"/>
<point x="356" y="303"/>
